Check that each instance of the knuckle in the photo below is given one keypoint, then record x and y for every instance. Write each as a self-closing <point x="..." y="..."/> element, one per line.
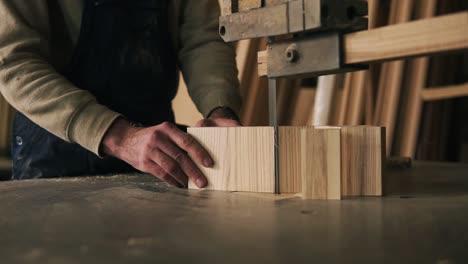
<point x="187" y="140"/>
<point x="166" y="125"/>
<point x="179" y="157"/>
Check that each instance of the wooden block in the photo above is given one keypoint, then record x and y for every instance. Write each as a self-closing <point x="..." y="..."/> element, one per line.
<point x="244" y="158"/>
<point x="321" y="163"/>
<point x="363" y="154"/>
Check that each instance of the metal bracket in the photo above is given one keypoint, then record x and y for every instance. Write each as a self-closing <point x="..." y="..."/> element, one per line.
<point x="246" y="19"/>
<point x="316" y="55"/>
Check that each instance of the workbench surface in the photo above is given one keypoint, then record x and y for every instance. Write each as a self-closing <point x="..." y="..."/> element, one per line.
<point x="135" y="219"/>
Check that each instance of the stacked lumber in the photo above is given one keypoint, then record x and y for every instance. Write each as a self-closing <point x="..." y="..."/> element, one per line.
<point x="6" y="117"/>
<point x="316" y="162"/>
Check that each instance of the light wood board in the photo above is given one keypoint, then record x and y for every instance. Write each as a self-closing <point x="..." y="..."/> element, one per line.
<point x="441" y="93"/>
<point x="440" y="34"/>
<point x="244" y="158"/>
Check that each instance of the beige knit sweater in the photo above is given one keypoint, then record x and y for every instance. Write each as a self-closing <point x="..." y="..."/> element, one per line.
<point x="37" y="41"/>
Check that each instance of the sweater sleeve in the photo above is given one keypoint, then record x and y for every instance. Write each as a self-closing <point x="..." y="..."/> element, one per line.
<point x="208" y="64"/>
<point x="30" y="83"/>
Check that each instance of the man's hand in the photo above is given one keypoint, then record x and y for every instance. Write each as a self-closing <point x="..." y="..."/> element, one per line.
<point x="159" y="150"/>
<point x="220" y="117"/>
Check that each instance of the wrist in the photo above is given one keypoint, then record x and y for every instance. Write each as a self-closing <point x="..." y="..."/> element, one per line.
<point x="116" y="136"/>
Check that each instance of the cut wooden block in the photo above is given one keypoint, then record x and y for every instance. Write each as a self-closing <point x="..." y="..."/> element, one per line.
<point x="321" y="163"/>
<point x="363" y="154"/>
<point x="244" y="158"/>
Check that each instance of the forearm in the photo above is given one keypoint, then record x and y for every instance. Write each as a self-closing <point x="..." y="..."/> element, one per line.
<point x="33" y="86"/>
<point x="208" y="64"/>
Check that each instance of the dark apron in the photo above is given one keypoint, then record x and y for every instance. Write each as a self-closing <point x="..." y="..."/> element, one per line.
<point x="124" y="57"/>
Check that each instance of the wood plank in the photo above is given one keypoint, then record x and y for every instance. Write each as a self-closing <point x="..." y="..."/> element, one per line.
<point x="391" y="82"/>
<point x="431" y="36"/>
<point x="245" y="5"/>
<point x="321" y="163"/>
<point x="255" y="93"/>
<point x="225" y="7"/>
<point x="244" y="158"/>
<point x="414" y="85"/>
<point x="6" y="118"/>
<point x="302" y="103"/>
<point x="441" y="93"/>
<point x="418" y="38"/>
<point x="356" y="100"/>
<point x="323" y="100"/>
<point x="344" y="100"/>
<point x="363" y="153"/>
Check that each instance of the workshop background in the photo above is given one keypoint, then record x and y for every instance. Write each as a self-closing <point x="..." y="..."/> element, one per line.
<point x="422" y="102"/>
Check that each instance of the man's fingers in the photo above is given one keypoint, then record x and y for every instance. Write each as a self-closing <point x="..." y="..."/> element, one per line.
<point x="159" y="172"/>
<point x="223" y="122"/>
<point x="169" y="165"/>
<point x="186" y="163"/>
<point x="190" y="145"/>
<point x="217" y="122"/>
<point x="205" y="123"/>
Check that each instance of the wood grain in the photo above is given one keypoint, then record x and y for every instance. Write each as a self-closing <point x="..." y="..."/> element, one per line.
<point x="363" y="153"/>
<point x="321" y="163"/>
<point x="289" y="140"/>
<point x="244" y="158"/>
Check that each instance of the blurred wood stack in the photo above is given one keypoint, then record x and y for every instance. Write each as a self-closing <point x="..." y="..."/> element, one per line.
<point x="6" y="117"/>
<point x="412" y="98"/>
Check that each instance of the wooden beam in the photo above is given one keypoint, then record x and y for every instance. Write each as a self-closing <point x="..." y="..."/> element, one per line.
<point x="390" y="83"/>
<point x="302" y="103"/>
<point x="323" y="100"/>
<point x="419" y="38"/>
<point x="356" y="100"/>
<point x="425" y="37"/>
<point x="441" y="93"/>
<point x="344" y="100"/>
<point x="417" y="72"/>
<point x="245" y="5"/>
